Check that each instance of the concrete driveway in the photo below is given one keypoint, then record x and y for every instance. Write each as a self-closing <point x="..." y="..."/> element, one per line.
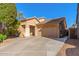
<point x="33" y="46"/>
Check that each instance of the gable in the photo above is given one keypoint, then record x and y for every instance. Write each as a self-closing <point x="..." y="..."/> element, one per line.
<point x="30" y="21"/>
<point x="55" y="21"/>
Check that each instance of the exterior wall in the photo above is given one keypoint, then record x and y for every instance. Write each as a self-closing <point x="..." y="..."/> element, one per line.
<point x="39" y="31"/>
<point x="62" y="29"/>
<point x="21" y="30"/>
<point x="26" y="31"/>
<point x="32" y="22"/>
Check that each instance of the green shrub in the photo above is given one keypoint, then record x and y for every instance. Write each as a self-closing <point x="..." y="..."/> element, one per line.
<point x="2" y="37"/>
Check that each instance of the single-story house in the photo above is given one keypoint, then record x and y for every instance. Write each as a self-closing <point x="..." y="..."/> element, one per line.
<point x="41" y="27"/>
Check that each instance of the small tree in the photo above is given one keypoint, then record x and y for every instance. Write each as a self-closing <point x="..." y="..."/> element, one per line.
<point x="8" y="20"/>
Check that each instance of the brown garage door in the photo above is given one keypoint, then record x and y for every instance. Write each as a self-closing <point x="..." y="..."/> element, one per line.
<point x="50" y="32"/>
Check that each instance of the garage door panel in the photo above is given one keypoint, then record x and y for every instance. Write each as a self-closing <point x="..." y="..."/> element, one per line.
<point x="50" y="32"/>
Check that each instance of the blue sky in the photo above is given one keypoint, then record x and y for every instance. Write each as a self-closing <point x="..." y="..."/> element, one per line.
<point x="51" y="10"/>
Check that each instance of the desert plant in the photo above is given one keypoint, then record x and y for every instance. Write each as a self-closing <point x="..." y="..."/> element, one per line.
<point x="2" y="37"/>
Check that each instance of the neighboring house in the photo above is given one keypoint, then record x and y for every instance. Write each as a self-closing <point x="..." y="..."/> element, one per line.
<point x="40" y="27"/>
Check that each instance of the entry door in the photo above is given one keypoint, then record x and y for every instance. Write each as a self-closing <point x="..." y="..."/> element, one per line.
<point x="32" y="30"/>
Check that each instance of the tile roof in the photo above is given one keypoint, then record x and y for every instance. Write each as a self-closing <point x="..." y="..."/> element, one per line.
<point x="56" y="20"/>
<point x="27" y="19"/>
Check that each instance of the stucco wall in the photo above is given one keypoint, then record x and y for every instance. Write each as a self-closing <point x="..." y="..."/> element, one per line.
<point x="39" y="31"/>
<point x="27" y="24"/>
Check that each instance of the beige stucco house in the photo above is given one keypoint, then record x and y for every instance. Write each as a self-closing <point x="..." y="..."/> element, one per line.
<point x="41" y="27"/>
